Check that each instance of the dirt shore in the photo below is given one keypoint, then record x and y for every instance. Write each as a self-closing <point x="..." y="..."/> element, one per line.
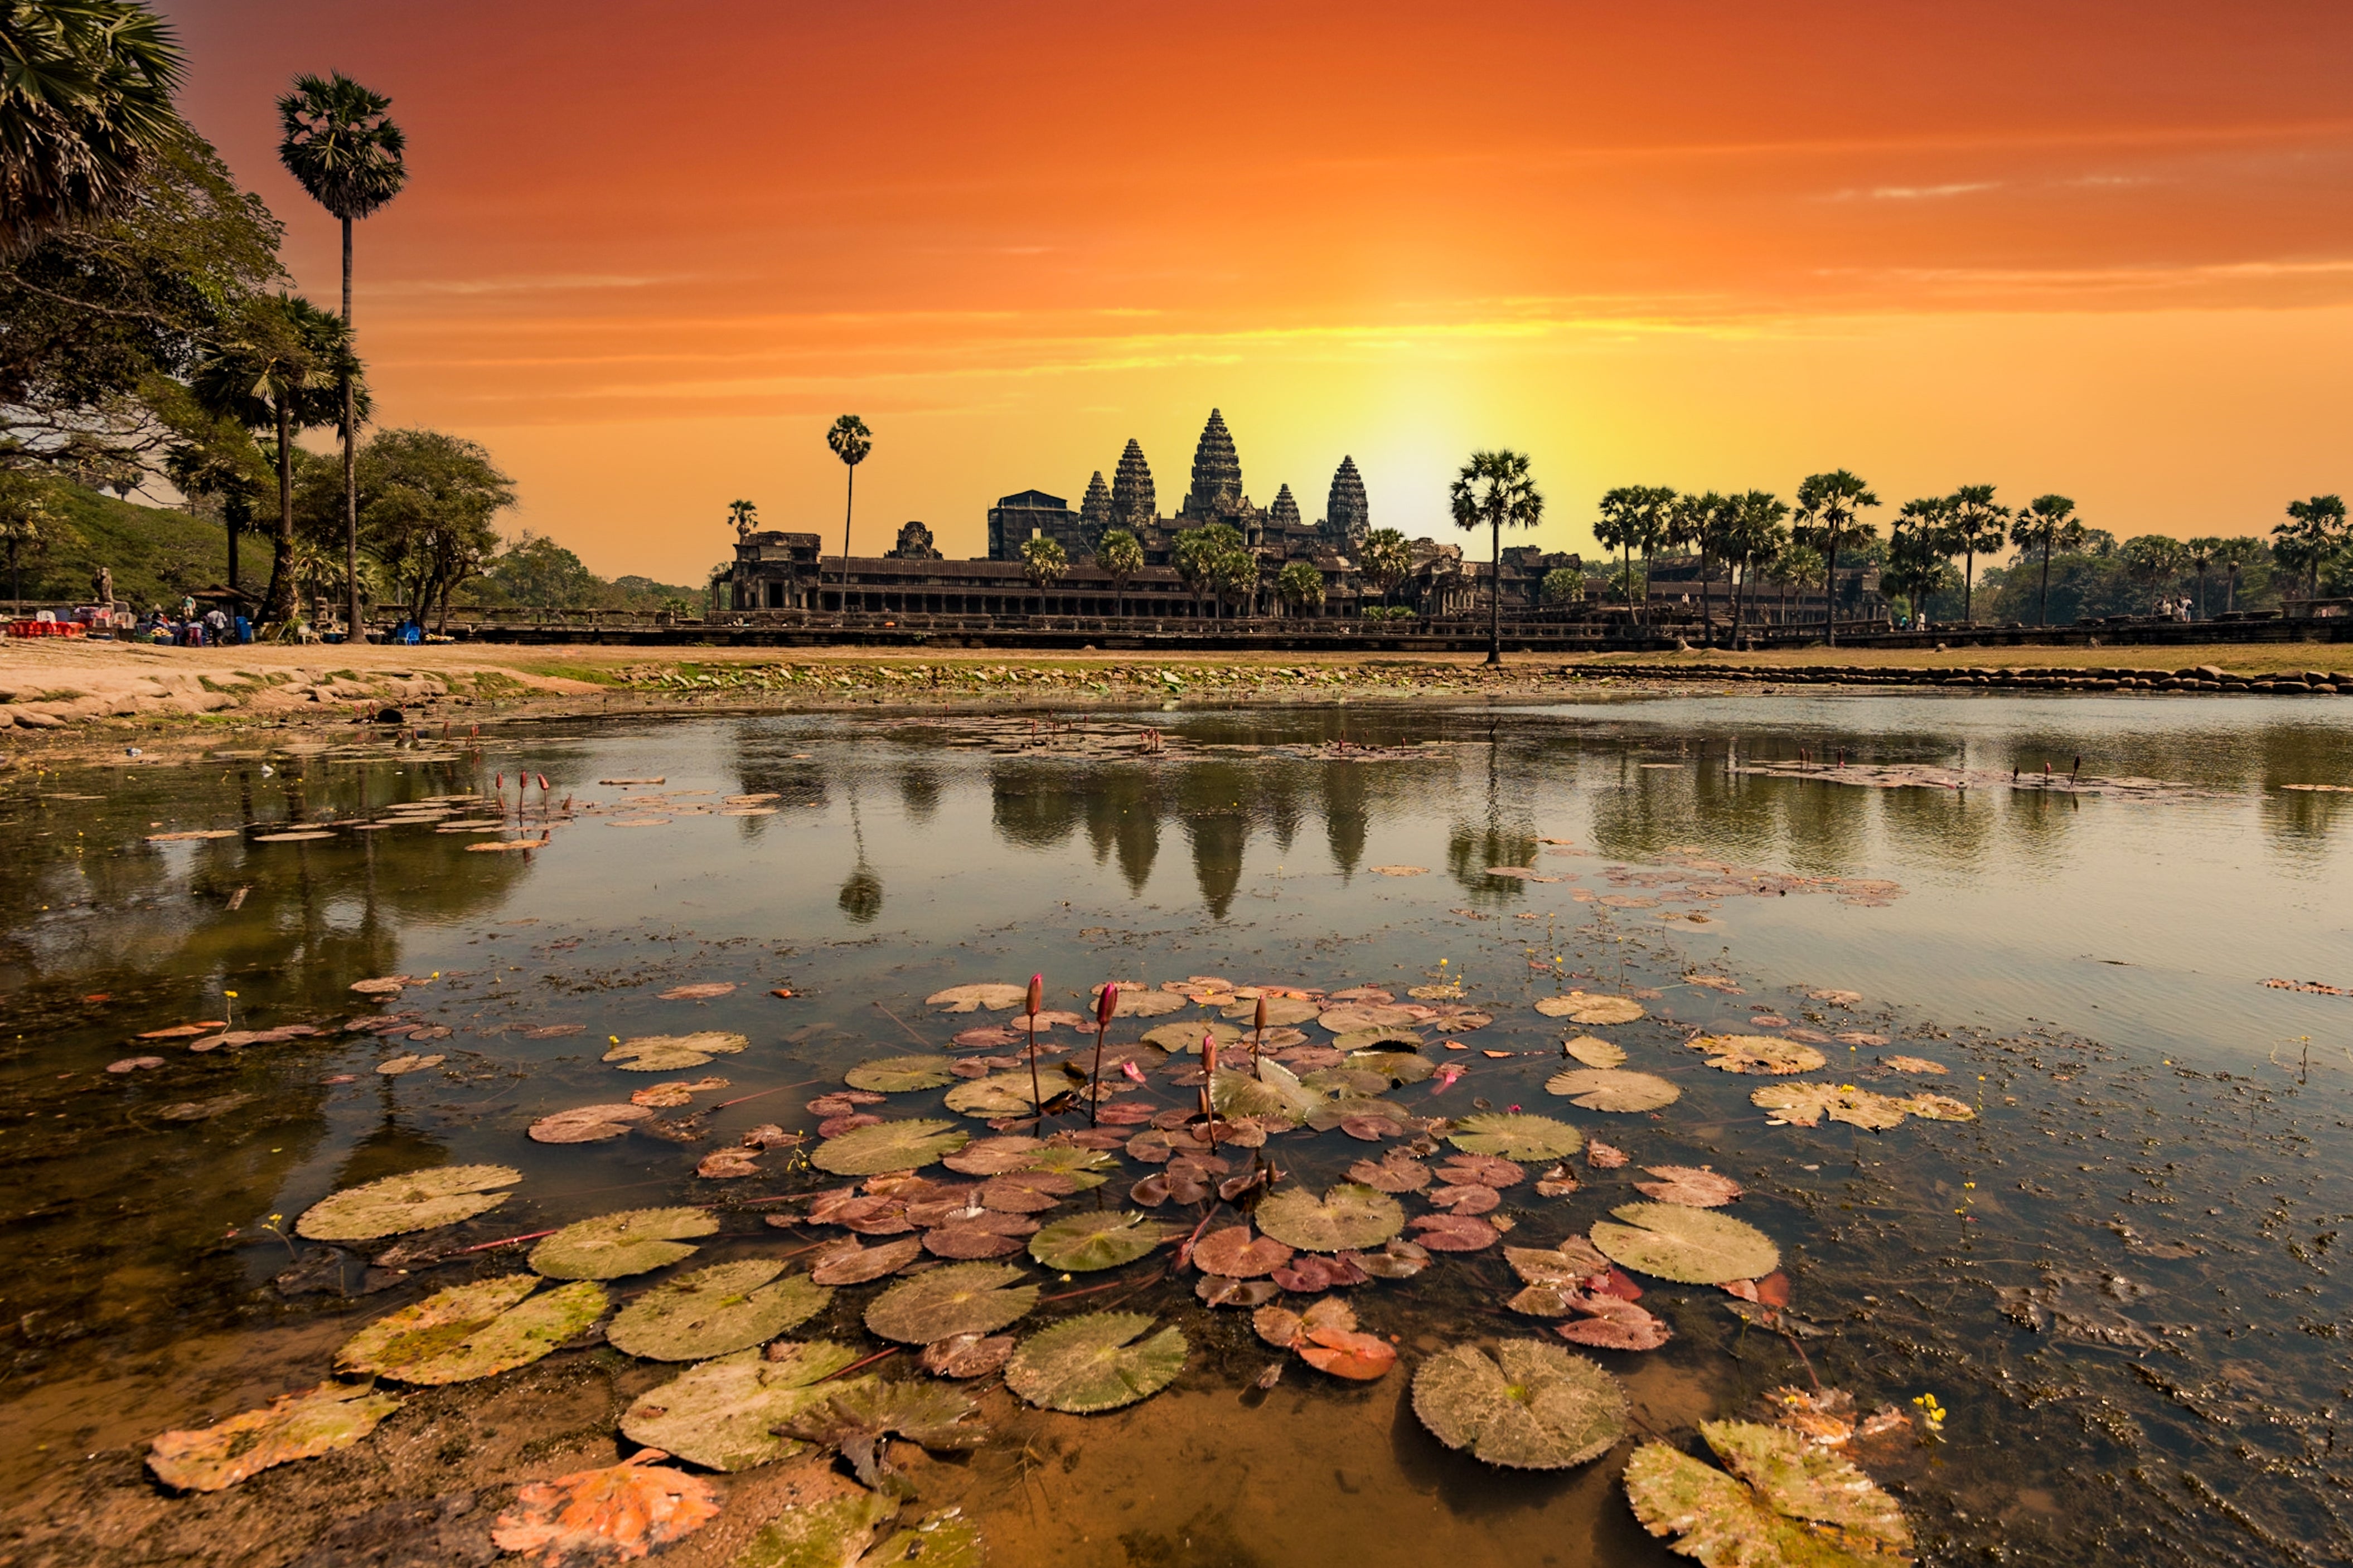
<point x="59" y="699"/>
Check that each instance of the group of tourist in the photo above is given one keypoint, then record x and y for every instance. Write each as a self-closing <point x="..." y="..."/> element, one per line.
<point x="213" y="628"/>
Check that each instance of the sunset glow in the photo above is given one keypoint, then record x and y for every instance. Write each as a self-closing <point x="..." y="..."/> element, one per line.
<point x="649" y="252"/>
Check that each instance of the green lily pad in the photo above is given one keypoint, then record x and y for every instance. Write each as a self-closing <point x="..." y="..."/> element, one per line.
<point x="1528" y="1406"/>
<point x="668" y="1053"/>
<point x="901" y="1074"/>
<point x="1595" y="1052"/>
<point x="1350" y="1108"/>
<point x="472" y="1330"/>
<point x="1240" y="1094"/>
<point x="1087" y="1242"/>
<point x="419" y="1200"/>
<point x="1345" y="1219"/>
<point x="1765" y="1525"/>
<point x="1093" y="1362"/>
<point x="823" y="1519"/>
<point x="723" y="1413"/>
<point x="1516" y="1136"/>
<point x="1281" y="1012"/>
<point x="713" y="1312"/>
<point x="1366" y="1039"/>
<point x="1007" y="1093"/>
<point x="960" y="1299"/>
<point x="1177" y="1040"/>
<point x="964" y="998"/>
<point x="1085" y="1167"/>
<point x="889" y="1146"/>
<point x="944" y="1539"/>
<point x="858" y="1422"/>
<point x="1692" y="1246"/>
<point x="1344" y="1083"/>
<point x="634" y="1241"/>
<point x="1398" y="1067"/>
<point x="291" y="1426"/>
<point x="1609" y="1089"/>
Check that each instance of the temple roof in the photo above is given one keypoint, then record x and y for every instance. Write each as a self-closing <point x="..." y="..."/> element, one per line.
<point x="1217" y="489"/>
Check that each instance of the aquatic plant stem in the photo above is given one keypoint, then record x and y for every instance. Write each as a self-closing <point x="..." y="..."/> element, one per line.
<point x="902" y="1024"/>
<point x="870" y="1360"/>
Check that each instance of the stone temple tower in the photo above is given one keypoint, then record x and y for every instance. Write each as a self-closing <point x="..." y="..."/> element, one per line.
<point x="1132" y="504"/>
<point x="1216" y="491"/>
<point x="1095" y="512"/>
<point x="1284" y="515"/>
<point x="1346" y="516"/>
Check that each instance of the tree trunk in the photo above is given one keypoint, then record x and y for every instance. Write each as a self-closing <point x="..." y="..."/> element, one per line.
<point x="1706" y="615"/>
<point x="351" y="469"/>
<point x="2202" y="592"/>
<point x="230" y="523"/>
<point x="1968" y="576"/>
<point x="1495" y="594"/>
<point x="2042" y="608"/>
<point x="15" y="580"/>
<point x="850" y="500"/>
<point x="279" y="605"/>
<point x="1830" y="595"/>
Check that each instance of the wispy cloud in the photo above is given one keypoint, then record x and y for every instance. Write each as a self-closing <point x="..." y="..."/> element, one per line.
<point x="544" y="283"/>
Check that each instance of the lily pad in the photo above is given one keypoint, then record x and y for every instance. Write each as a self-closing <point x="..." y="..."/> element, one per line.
<point x="822" y="1520"/>
<point x="1695" y="1186"/>
<point x="1240" y="1094"/>
<point x="1398" y="1067"/>
<point x="1612" y="1088"/>
<point x="889" y="1146"/>
<point x="1802" y="1507"/>
<point x="634" y="1241"/>
<point x="1692" y="1246"/>
<point x="291" y="1426"/>
<point x="1351" y="1018"/>
<point x="1764" y="1054"/>
<point x="958" y="1299"/>
<point x="858" y="1422"/>
<point x="901" y="1075"/>
<point x="967" y="998"/>
<point x="472" y="1330"/>
<point x="1098" y="1361"/>
<point x="1281" y="1012"/>
<point x="1235" y="1254"/>
<point x="1587" y="1007"/>
<point x="613" y="1511"/>
<point x="1346" y="1217"/>
<point x="1516" y="1136"/>
<point x="715" y="1311"/>
<point x="947" y="1539"/>
<point x="395" y="1205"/>
<point x="1805" y="1105"/>
<point x="723" y="1413"/>
<point x="1178" y="1039"/>
<point x="851" y="1264"/>
<point x="1087" y="1242"/>
<point x="966" y="1355"/>
<point x="668" y="1053"/>
<point x="589" y="1123"/>
<point x="1528" y="1406"/>
<point x="1367" y="1039"/>
<point x="1007" y="1093"/>
<point x="1596" y="1052"/>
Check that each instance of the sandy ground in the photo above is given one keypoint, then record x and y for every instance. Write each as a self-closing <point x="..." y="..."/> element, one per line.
<point x="61" y="698"/>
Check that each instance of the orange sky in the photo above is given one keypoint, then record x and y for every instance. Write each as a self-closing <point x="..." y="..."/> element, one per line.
<point x="649" y="250"/>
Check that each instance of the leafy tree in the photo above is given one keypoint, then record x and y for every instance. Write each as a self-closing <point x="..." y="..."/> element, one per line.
<point x="27" y="526"/>
<point x="1830" y="506"/>
<point x="745" y="515"/>
<point x="538" y="572"/>
<point x="850" y="440"/>
<point x="1386" y="560"/>
<point x="85" y="107"/>
<point x="1801" y="566"/>
<point x="2312" y="538"/>
<point x="429" y="502"/>
<point x="2234" y="555"/>
<point x="338" y="141"/>
<point x="1755" y="532"/>
<point x="1980" y="526"/>
<point x="2048" y="523"/>
<point x="1493" y="490"/>
<point x="213" y="457"/>
<point x="1213" y="559"/>
<point x="1695" y="522"/>
<point x="2201" y="552"/>
<point x="1299" y="586"/>
<point x="1916" y="563"/>
<point x="1120" y="557"/>
<point x="1043" y="562"/>
<point x="1564" y="584"/>
<point x="2154" y="563"/>
<point x="1632" y="518"/>
<point x="102" y="317"/>
<point x="284" y="368"/>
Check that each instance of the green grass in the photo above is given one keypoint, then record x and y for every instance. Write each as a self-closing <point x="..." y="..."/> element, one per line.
<point x="156" y="555"/>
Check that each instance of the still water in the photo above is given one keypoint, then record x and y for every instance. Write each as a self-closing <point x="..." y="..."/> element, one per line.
<point x="2158" y="1156"/>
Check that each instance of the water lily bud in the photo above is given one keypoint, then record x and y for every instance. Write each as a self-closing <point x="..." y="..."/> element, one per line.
<point x="1106" y="1005"/>
<point x="1037" y="993"/>
<point x="1209" y="1053"/>
<point x="1261" y="1022"/>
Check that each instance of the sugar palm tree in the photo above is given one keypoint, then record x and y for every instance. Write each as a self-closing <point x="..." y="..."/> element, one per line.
<point x="1386" y="560"/>
<point x="851" y="441"/>
<point x="2202" y="552"/>
<point x="2050" y="523"/>
<point x="1831" y="505"/>
<point x="1692" y="524"/>
<point x="1923" y="531"/>
<point x="1615" y="527"/>
<point x="1979" y="527"/>
<point x="2235" y="555"/>
<point x="1043" y="562"/>
<point x="284" y="367"/>
<point x="1755" y="531"/>
<point x="2155" y="563"/>
<point x="1299" y="584"/>
<point x="1120" y="557"/>
<point x="338" y="141"/>
<point x="2312" y="537"/>
<point x="1797" y="565"/>
<point x="85" y="104"/>
<point x="745" y="515"/>
<point x="1493" y="490"/>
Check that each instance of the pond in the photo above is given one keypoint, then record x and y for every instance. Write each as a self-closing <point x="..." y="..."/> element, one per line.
<point x="2093" y="952"/>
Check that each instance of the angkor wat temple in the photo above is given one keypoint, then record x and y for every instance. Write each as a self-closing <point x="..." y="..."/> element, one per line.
<point x="1214" y="495"/>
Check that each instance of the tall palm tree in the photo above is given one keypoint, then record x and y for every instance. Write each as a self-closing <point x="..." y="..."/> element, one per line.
<point x="2311" y="538"/>
<point x="1620" y="528"/>
<point x="1833" y="505"/>
<point x="339" y="143"/>
<point x="745" y="515"/>
<point x="1043" y="562"/>
<point x="1494" y="489"/>
<point x="1755" y="531"/>
<point x="287" y="366"/>
<point x="1120" y="557"/>
<point x="1918" y="544"/>
<point x="851" y="441"/>
<point x="85" y="103"/>
<point x="1797" y="565"/>
<point x="1690" y="524"/>
<point x="1979" y="527"/>
<point x="2202" y="552"/>
<point x="1386" y="560"/>
<point x="2049" y="521"/>
<point x="26" y="523"/>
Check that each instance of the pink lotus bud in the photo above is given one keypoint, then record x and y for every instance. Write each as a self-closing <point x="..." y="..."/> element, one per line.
<point x="1106" y="1005"/>
<point x="1037" y="993"/>
<point x="1131" y="1070"/>
<point x="1209" y="1053"/>
<point x="1260" y="1023"/>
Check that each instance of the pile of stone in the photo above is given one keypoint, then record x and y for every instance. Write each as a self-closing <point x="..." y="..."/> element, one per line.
<point x="2203" y="677"/>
